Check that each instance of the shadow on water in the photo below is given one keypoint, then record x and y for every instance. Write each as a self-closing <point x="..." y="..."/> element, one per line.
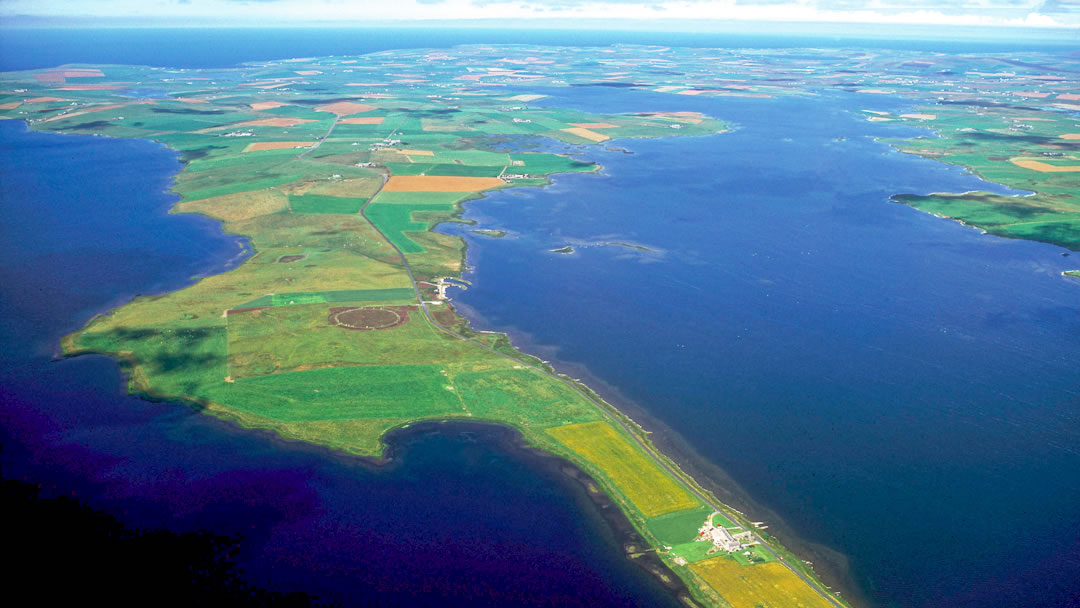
<point x="98" y="556"/>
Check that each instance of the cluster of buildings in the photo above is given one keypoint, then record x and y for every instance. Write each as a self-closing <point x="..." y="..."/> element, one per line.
<point x="386" y="143"/>
<point x="722" y="539"/>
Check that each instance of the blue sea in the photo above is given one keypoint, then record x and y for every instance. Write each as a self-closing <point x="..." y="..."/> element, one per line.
<point x="25" y="48"/>
<point x="895" y="394"/>
<point x="896" y="387"/>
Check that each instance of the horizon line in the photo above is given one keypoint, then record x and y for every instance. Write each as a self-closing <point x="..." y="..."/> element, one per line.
<point x="661" y="25"/>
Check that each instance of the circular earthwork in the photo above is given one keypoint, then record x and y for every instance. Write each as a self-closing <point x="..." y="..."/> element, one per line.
<point x="366" y="318"/>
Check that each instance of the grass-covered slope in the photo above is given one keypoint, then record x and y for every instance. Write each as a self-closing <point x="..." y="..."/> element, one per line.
<point x="1007" y="146"/>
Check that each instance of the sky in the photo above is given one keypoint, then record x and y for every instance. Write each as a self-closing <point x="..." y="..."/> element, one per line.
<point x="1015" y="13"/>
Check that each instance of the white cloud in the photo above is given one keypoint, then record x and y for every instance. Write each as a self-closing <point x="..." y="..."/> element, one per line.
<point x="1037" y="13"/>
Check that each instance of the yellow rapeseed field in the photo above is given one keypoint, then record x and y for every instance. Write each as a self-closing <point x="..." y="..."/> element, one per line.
<point x="769" y="585"/>
<point x="638" y="477"/>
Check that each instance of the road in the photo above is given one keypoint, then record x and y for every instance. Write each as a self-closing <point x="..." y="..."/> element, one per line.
<point x="319" y="141"/>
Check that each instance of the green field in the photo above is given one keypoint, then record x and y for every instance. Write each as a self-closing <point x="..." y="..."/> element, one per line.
<point x="679" y="527"/>
<point x="445" y="169"/>
<point x="988" y="141"/>
<point x="314" y="203"/>
<point x="291" y="338"/>
<point x="695" y="551"/>
<point x="523" y="396"/>
<point x="542" y="164"/>
<point x="391" y="391"/>
<point x="421" y="198"/>
<point x="1005" y="216"/>
<point x="351" y="295"/>
<point x="394" y="220"/>
<point x="259" y="183"/>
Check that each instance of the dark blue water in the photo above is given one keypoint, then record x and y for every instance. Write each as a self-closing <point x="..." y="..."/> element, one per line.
<point x="896" y="386"/>
<point x="460" y="519"/>
<point x="32" y="48"/>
